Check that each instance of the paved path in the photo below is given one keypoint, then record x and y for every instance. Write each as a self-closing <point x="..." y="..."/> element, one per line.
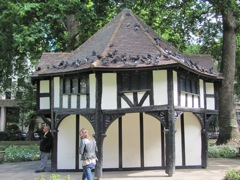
<point x="215" y="171"/>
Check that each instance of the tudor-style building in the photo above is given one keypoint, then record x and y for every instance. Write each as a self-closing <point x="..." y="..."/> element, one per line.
<point x="147" y="105"/>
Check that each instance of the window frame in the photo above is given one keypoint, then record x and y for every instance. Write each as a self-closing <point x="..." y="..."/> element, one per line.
<point x="189" y="84"/>
<point x="70" y="90"/>
<point x="134" y="81"/>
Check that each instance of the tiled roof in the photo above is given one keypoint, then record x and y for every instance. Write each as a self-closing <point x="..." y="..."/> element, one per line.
<point x="204" y="61"/>
<point x="125" y="42"/>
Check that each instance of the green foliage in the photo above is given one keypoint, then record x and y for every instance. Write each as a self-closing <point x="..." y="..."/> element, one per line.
<point x="192" y="49"/>
<point x="22" y="153"/>
<point x="3" y="147"/>
<point x="29" y="28"/>
<point x="232" y="174"/>
<point x="237" y="85"/>
<point x="222" y="152"/>
<point x="54" y="177"/>
<point x="18" y="143"/>
<point x="27" y="104"/>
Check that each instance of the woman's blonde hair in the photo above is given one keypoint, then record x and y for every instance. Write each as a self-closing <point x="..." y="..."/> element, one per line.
<point x="84" y="134"/>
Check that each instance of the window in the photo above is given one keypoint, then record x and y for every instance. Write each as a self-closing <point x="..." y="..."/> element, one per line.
<point x="137" y="81"/>
<point x="189" y="84"/>
<point x="67" y="86"/>
<point x="75" y="85"/>
<point x="83" y="84"/>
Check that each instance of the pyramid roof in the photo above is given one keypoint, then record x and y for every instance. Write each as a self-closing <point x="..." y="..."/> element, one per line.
<point x="126" y="42"/>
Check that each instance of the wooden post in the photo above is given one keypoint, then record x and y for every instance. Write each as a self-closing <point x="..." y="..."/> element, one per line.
<point x="54" y="147"/>
<point x="53" y="130"/>
<point x="204" y="148"/>
<point x="170" y="128"/>
<point x="99" y="125"/>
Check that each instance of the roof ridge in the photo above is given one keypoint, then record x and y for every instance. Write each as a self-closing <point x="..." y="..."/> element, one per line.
<point x="154" y="42"/>
<point x="106" y="50"/>
<point x="93" y="36"/>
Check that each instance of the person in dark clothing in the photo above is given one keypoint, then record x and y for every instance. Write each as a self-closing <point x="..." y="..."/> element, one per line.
<point x="45" y="148"/>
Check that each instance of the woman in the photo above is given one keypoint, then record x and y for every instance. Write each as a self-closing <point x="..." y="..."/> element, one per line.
<point x="88" y="150"/>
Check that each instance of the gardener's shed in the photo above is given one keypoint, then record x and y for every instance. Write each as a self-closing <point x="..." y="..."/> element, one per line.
<point x="147" y="104"/>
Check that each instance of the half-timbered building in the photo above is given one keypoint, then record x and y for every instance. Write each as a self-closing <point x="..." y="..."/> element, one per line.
<point x="147" y="104"/>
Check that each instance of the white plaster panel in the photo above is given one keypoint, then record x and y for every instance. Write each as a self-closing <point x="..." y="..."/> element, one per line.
<point x="83" y="101"/>
<point x="210" y="103"/>
<point x="44" y="86"/>
<point x="44" y="102"/>
<point x="152" y="141"/>
<point x="74" y="101"/>
<point x="109" y="92"/>
<point x="178" y="143"/>
<point x="196" y="102"/>
<point x="209" y="88"/>
<point x="123" y="102"/>
<point x="110" y="147"/>
<point x="131" y="140"/>
<point x="66" y="147"/>
<point x="65" y="101"/>
<point x="146" y="102"/>
<point x="189" y="100"/>
<point x="56" y="81"/>
<point x="175" y="88"/>
<point x="201" y="93"/>
<point x="183" y="99"/>
<point x="192" y="139"/>
<point x="84" y="123"/>
<point x="92" y="90"/>
<point x="160" y="87"/>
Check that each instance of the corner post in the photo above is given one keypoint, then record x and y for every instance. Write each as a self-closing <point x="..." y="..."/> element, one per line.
<point x="204" y="148"/>
<point x="170" y="128"/>
<point x="99" y="125"/>
<point x="53" y="128"/>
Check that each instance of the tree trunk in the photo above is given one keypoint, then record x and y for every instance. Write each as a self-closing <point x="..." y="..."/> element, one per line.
<point x="72" y="29"/>
<point x="228" y="129"/>
<point x="31" y="130"/>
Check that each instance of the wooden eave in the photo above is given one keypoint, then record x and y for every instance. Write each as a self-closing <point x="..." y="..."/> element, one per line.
<point x="127" y="69"/>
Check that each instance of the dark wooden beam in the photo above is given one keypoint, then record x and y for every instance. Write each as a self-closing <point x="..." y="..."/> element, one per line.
<point x="216" y="96"/>
<point x="141" y="139"/>
<point x="204" y="137"/>
<point x="53" y="129"/>
<point x="183" y="140"/>
<point x="136" y="109"/>
<point x="77" y="141"/>
<point x="170" y="130"/>
<point x="120" y="143"/>
<point x="99" y="125"/>
<point x="163" y="146"/>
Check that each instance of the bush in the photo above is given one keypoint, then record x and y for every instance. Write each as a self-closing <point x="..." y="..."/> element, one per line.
<point x="22" y="153"/>
<point x="222" y="152"/>
<point x="232" y="174"/>
<point x="3" y="147"/>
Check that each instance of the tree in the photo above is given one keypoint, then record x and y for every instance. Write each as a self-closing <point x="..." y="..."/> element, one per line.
<point x="58" y="26"/>
<point x="193" y="18"/>
<point x="29" y="28"/>
<point x="215" y="23"/>
<point x="228" y="127"/>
